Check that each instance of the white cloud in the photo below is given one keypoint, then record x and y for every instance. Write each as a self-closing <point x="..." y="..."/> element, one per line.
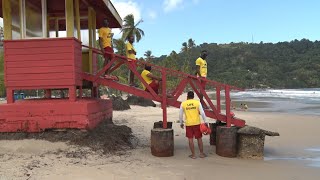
<point x="127" y="7"/>
<point x="152" y="14"/>
<point x="195" y="1"/>
<point x="124" y="8"/>
<point x="170" y="5"/>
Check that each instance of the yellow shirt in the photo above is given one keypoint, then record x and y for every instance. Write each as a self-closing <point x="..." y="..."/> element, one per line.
<point x="191" y="110"/>
<point x="146" y="78"/>
<point x="106" y="35"/>
<point x="203" y="66"/>
<point x="129" y="47"/>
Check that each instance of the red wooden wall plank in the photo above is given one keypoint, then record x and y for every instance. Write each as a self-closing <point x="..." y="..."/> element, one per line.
<point x="50" y="82"/>
<point x="46" y="63"/>
<point x="15" y="77"/>
<point x="38" y="57"/>
<point x="42" y="50"/>
<point x="39" y="70"/>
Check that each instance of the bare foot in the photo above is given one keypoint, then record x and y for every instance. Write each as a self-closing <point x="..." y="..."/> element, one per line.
<point x="202" y="155"/>
<point x="192" y="156"/>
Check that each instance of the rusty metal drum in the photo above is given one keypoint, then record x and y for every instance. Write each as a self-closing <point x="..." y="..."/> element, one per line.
<point x="162" y="142"/>
<point x="226" y="144"/>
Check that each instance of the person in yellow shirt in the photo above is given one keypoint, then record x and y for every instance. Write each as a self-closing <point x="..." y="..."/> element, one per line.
<point x="150" y="79"/>
<point x="105" y="42"/>
<point x="201" y="71"/>
<point x="191" y="109"/>
<point x="131" y="55"/>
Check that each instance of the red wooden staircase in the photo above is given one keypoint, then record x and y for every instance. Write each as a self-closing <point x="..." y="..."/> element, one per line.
<point x="213" y="111"/>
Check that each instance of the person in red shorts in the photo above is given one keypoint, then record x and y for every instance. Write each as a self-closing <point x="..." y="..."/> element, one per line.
<point x="191" y="109"/>
<point x="150" y="79"/>
<point x="105" y="42"/>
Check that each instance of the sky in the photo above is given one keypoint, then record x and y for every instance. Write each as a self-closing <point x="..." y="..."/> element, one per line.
<point x="169" y="23"/>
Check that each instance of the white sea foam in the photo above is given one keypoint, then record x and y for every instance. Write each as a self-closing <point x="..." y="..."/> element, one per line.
<point x="307" y="94"/>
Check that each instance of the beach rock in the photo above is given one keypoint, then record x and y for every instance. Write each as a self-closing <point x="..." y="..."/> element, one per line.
<point x="140" y="101"/>
<point x="251" y="142"/>
<point x="119" y="104"/>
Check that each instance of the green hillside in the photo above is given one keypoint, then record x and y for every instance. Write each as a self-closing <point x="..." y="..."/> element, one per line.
<point x="294" y="64"/>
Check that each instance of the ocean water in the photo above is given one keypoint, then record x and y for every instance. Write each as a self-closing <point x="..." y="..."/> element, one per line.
<point x="300" y="101"/>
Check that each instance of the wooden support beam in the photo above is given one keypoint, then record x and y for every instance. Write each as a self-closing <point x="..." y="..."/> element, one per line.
<point x="94" y="27"/>
<point x="7" y="19"/>
<point x="21" y="12"/>
<point x="90" y="37"/>
<point x="69" y="18"/>
<point x="77" y="15"/>
<point x="57" y="27"/>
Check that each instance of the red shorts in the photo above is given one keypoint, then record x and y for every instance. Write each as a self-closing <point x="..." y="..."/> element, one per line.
<point x="203" y="83"/>
<point x="108" y="50"/>
<point x="193" y="131"/>
<point x="155" y="86"/>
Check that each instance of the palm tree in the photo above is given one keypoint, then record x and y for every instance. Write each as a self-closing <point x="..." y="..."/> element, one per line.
<point x="120" y="46"/>
<point x="184" y="47"/>
<point x="131" y="28"/>
<point x="191" y="43"/>
<point x="148" y="55"/>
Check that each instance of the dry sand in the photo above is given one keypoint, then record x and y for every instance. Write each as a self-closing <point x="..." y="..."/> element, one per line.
<point x="38" y="159"/>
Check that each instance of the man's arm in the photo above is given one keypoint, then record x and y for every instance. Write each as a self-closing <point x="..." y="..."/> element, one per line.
<point x="198" y="71"/>
<point x="198" y="63"/>
<point x="202" y="113"/>
<point x="150" y="75"/>
<point x="132" y="52"/>
<point x="181" y="116"/>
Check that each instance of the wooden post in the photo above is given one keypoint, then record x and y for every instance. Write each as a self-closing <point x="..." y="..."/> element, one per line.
<point x="21" y="13"/>
<point x="164" y="99"/>
<point x="77" y="13"/>
<point x="80" y="92"/>
<point x="218" y="99"/>
<point x="47" y="93"/>
<point x="69" y="18"/>
<point x="227" y="94"/>
<point x="7" y="19"/>
<point x="10" y="95"/>
<point x="72" y="93"/>
<point x="94" y="27"/>
<point x="57" y="26"/>
<point x="90" y="25"/>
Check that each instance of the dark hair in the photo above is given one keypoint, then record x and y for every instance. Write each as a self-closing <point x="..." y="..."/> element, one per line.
<point x="147" y="67"/>
<point x="190" y="95"/>
<point x="131" y="35"/>
<point x="204" y="52"/>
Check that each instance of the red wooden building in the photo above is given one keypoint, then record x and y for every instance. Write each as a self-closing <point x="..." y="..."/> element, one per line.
<point x="43" y="49"/>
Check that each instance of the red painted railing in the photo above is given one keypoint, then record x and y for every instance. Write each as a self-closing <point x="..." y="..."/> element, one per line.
<point x="213" y="111"/>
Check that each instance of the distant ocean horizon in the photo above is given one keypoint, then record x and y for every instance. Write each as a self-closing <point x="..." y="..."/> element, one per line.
<point x="299" y="101"/>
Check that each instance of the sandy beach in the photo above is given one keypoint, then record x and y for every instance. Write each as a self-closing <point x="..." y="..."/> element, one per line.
<point x="286" y="157"/>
